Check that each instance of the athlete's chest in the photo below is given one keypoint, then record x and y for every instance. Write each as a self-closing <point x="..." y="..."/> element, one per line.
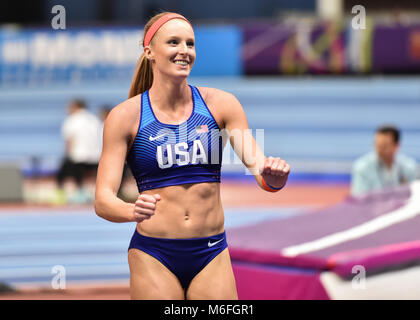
<point x="192" y="142"/>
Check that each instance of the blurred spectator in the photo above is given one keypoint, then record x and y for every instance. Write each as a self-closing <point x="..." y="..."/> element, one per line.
<point x="382" y="168"/>
<point x="82" y="133"/>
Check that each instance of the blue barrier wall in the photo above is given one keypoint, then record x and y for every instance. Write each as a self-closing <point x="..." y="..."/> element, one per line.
<point x="218" y="51"/>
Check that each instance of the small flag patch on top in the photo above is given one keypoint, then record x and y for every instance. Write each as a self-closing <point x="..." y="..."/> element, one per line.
<point x="202" y="129"/>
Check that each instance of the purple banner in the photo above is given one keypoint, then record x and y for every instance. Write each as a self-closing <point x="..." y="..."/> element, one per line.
<point x="330" y="48"/>
<point x="294" y="49"/>
<point x="396" y="49"/>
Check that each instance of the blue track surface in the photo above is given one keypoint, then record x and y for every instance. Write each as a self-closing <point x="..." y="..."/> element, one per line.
<point x="33" y="241"/>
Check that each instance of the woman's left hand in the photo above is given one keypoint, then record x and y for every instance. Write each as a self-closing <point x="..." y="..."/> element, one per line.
<point x="275" y="172"/>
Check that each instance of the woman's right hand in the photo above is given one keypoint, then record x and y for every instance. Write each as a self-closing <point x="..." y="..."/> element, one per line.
<point x="145" y="206"/>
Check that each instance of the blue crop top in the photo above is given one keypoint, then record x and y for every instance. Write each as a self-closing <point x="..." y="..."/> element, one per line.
<point x="166" y="154"/>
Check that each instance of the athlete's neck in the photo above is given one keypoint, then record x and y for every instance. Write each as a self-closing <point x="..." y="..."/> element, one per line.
<point x="169" y="96"/>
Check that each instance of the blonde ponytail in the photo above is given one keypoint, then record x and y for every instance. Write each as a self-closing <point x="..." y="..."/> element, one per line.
<point x="143" y="77"/>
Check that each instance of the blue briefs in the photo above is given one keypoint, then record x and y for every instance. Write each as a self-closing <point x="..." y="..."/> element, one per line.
<point x="184" y="257"/>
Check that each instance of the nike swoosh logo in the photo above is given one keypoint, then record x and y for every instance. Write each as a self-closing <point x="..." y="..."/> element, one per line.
<point x="214" y="243"/>
<point x="157" y="137"/>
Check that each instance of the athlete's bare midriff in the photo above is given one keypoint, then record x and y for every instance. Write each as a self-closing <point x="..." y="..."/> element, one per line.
<point x="185" y="211"/>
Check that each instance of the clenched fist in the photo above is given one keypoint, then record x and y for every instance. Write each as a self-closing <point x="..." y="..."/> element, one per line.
<point x="145" y="206"/>
<point x="275" y="172"/>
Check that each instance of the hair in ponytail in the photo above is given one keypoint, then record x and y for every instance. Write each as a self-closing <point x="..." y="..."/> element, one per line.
<point x="143" y="76"/>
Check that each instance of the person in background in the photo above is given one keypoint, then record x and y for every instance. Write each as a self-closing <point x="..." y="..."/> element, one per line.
<point x="385" y="167"/>
<point x="82" y="134"/>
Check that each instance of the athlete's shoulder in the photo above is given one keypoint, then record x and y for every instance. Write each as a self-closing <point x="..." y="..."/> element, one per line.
<point x="126" y="109"/>
<point x="224" y="106"/>
<point x="216" y="96"/>
<point x="222" y="103"/>
<point x="125" y="115"/>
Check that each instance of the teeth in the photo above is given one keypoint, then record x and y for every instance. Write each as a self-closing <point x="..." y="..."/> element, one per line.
<point x="183" y="63"/>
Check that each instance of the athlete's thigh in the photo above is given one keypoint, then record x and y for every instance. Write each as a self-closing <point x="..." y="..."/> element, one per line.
<point x="215" y="281"/>
<point x="151" y="280"/>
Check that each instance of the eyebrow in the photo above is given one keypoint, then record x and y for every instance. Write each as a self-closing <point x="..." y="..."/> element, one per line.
<point x="177" y="37"/>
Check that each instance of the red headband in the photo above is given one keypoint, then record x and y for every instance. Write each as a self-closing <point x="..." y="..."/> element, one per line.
<point x="159" y="23"/>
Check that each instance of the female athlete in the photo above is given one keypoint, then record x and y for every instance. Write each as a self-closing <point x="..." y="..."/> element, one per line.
<point x="165" y="133"/>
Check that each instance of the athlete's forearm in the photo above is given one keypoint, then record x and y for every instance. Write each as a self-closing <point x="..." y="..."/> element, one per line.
<point x="112" y="208"/>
